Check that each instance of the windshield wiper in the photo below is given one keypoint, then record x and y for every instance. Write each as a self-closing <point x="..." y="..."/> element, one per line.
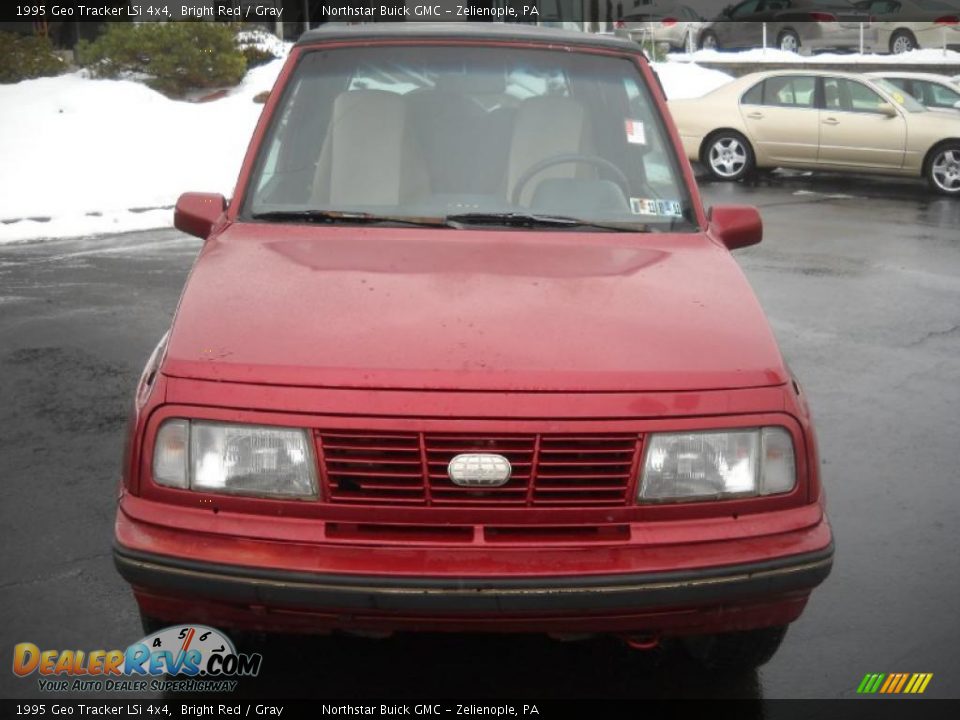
<point x="518" y="219"/>
<point x="344" y="216"/>
<point x="459" y="221"/>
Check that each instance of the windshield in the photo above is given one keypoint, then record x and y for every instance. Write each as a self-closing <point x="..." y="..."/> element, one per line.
<point x="908" y="102"/>
<point x="436" y="132"/>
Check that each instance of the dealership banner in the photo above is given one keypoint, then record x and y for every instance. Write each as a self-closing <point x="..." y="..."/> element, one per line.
<point x="552" y="12"/>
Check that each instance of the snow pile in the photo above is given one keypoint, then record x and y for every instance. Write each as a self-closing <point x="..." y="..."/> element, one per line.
<point x="83" y="157"/>
<point x="688" y="80"/>
<point x="262" y="40"/>
<point x="83" y="154"/>
<point x="759" y="55"/>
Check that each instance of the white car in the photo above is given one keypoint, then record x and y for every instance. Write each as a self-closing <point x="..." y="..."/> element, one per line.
<point x="937" y="92"/>
<point x="676" y="26"/>
<point x="905" y="25"/>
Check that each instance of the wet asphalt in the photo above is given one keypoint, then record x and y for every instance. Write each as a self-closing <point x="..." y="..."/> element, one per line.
<point x="860" y="278"/>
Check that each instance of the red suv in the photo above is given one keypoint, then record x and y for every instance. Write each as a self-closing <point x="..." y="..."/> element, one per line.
<point x="465" y="352"/>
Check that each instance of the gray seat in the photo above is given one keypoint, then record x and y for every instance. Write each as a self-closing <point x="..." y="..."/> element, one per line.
<point x="832" y="97"/>
<point x="369" y="156"/>
<point x="546" y="127"/>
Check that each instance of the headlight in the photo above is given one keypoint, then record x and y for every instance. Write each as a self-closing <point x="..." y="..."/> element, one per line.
<point x="235" y="459"/>
<point x="704" y="465"/>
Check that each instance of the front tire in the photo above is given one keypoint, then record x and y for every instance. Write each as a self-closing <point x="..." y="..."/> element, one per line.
<point x="736" y="651"/>
<point x="943" y="169"/>
<point x="728" y="157"/>
<point x="789" y="41"/>
<point x="902" y="41"/>
<point x="709" y="41"/>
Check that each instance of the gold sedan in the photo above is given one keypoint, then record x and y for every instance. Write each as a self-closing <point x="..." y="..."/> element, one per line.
<point x="817" y="120"/>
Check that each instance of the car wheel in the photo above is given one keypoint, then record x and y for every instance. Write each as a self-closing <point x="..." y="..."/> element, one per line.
<point x="789" y="41"/>
<point x="902" y="41"/>
<point x="709" y="41"/>
<point x="943" y="170"/>
<point x="728" y="156"/>
<point x="735" y="651"/>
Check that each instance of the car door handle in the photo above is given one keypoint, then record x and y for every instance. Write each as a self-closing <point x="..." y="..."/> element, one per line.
<point x="831" y="121"/>
<point x="755" y="115"/>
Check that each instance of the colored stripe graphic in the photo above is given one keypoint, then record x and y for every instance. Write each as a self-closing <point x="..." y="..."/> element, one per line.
<point x="894" y="683"/>
<point x="903" y="681"/>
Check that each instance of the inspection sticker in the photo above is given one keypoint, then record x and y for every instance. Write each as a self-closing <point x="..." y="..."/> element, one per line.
<point x="636" y="134"/>
<point x="643" y="206"/>
<point x="669" y="208"/>
<point x="649" y="206"/>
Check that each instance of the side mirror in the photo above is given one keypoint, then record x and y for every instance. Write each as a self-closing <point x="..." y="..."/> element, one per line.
<point x="956" y="105"/>
<point x="736" y="226"/>
<point x="196" y="213"/>
<point x="887" y="109"/>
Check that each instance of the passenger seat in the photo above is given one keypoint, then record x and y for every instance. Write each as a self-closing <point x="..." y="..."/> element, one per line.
<point x="369" y="156"/>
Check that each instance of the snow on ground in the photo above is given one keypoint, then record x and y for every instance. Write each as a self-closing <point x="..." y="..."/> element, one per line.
<point x="90" y="155"/>
<point x="760" y="55"/>
<point x="687" y="80"/>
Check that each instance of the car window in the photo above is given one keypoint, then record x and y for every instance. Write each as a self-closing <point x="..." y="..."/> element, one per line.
<point x="862" y="98"/>
<point x="935" y="95"/>
<point x="901" y="83"/>
<point x="880" y="7"/>
<point x="790" y="91"/>
<point x="746" y="8"/>
<point x="900" y="96"/>
<point x="531" y="81"/>
<point x="430" y="131"/>
<point x="850" y="96"/>
<point x="753" y="96"/>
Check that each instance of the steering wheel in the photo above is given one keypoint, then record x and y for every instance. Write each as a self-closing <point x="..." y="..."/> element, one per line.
<point x="594" y="160"/>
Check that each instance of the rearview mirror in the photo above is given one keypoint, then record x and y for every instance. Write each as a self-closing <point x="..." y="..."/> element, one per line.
<point x="736" y="226"/>
<point x="196" y="213"/>
<point x="887" y="109"/>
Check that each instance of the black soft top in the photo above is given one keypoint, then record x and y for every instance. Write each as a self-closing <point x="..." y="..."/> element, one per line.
<point x="464" y="31"/>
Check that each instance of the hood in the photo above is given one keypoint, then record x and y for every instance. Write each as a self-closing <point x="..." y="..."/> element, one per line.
<point x="470" y="310"/>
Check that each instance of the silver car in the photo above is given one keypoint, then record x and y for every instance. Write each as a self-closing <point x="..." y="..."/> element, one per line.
<point x="790" y="24"/>
<point x="676" y="26"/>
<point x="905" y="25"/>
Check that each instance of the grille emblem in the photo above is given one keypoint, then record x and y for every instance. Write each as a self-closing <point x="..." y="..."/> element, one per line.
<point x="479" y="470"/>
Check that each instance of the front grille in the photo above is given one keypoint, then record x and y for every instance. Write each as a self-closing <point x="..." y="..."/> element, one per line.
<point x="592" y="470"/>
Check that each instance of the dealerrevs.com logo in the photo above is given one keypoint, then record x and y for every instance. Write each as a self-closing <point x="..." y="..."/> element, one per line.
<point x="180" y="658"/>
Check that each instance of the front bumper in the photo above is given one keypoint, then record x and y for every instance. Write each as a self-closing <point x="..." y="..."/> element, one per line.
<point x="346" y="593"/>
<point x="709" y="575"/>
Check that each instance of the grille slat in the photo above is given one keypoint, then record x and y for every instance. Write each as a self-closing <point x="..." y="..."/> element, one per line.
<point x="372" y="468"/>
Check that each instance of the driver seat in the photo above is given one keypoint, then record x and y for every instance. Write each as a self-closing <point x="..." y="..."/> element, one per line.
<point x="546" y="127"/>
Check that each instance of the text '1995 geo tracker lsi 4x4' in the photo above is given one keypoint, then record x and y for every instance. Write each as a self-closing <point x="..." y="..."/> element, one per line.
<point x="465" y="352"/>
